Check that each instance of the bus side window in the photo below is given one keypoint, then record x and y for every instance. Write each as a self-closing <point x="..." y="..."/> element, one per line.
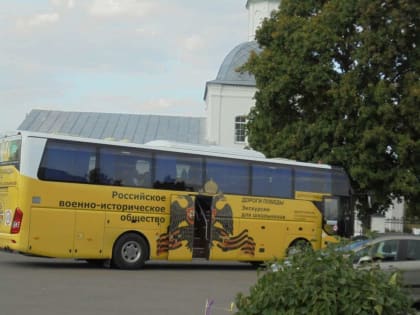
<point x="67" y="162"/>
<point x="195" y="177"/>
<point x="190" y="172"/>
<point x="178" y="171"/>
<point x="272" y="181"/>
<point x="124" y="167"/>
<point x="144" y="171"/>
<point x="126" y="173"/>
<point x="318" y="181"/>
<point x="230" y="176"/>
<point x="165" y="176"/>
<point x="107" y="162"/>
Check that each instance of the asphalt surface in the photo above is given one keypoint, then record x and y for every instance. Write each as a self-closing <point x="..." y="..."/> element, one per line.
<point x="42" y="286"/>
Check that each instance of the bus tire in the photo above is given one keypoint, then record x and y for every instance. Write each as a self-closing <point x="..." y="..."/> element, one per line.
<point x="130" y="252"/>
<point x="298" y="246"/>
<point x="257" y="264"/>
<point x="96" y="262"/>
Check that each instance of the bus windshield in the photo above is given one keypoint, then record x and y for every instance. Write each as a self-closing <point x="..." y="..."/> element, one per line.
<point x="10" y="151"/>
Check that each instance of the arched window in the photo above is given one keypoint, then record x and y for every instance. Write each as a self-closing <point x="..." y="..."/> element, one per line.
<point x="240" y="124"/>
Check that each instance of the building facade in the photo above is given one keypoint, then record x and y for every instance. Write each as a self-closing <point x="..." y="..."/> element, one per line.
<point x="230" y="96"/>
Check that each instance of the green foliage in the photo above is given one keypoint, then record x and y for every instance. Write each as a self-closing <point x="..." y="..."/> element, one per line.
<point x="324" y="282"/>
<point x="339" y="82"/>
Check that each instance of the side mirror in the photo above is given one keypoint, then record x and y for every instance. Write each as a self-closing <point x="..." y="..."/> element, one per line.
<point x="364" y="260"/>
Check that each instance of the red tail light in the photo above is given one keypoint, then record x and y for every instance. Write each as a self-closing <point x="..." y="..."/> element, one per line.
<point x="17" y="221"/>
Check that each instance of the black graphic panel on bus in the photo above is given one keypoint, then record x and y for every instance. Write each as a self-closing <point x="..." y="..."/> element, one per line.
<point x="221" y="228"/>
<point x="181" y="227"/>
<point x="222" y="233"/>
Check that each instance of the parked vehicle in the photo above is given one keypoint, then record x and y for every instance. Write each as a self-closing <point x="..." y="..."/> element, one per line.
<point x="98" y="200"/>
<point x="392" y="252"/>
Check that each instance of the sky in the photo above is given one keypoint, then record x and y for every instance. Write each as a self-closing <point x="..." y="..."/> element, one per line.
<point x="114" y="56"/>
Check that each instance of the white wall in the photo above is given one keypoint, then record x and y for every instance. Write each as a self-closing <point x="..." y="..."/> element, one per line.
<point x="257" y="11"/>
<point x="392" y="221"/>
<point x="396" y="211"/>
<point x="377" y="224"/>
<point x="223" y="104"/>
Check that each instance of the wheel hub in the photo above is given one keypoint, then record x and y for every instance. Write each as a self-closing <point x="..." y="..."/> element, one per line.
<point x="131" y="252"/>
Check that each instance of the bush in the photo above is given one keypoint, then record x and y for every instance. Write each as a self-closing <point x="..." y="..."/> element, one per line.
<point x="324" y="282"/>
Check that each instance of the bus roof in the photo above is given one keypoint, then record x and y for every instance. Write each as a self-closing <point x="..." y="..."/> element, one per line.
<point x="170" y="146"/>
<point x="163" y="144"/>
<point x="4" y="134"/>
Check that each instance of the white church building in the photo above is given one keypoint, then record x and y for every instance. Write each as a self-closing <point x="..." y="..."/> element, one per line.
<point x="230" y="96"/>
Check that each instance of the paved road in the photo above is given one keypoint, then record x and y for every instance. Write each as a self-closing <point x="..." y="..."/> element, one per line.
<point x="38" y="286"/>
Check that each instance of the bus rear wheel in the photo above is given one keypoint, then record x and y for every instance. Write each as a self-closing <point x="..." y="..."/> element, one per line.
<point x="298" y="246"/>
<point x="130" y="252"/>
<point x="96" y="262"/>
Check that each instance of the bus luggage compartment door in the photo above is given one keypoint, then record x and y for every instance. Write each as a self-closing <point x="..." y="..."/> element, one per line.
<point x="52" y="232"/>
<point x="181" y="228"/>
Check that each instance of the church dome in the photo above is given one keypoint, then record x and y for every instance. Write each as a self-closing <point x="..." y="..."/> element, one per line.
<point x="239" y="55"/>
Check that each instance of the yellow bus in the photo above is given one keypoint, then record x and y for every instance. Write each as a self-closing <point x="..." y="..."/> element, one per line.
<point x="69" y="197"/>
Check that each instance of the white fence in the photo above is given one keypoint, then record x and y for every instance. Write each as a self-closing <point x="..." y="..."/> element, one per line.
<point x="394" y="225"/>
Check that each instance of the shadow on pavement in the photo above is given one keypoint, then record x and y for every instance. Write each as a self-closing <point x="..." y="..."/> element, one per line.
<point x="22" y="261"/>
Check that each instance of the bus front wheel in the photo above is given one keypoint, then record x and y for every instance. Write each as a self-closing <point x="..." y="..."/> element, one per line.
<point x="130" y="252"/>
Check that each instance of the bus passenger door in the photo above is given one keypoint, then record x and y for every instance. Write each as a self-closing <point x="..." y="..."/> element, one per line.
<point x="331" y="215"/>
<point x="181" y="227"/>
<point x="203" y="226"/>
<point x="338" y="218"/>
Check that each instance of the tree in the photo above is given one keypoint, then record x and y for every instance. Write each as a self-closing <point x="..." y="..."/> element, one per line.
<point x="338" y="82"/>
